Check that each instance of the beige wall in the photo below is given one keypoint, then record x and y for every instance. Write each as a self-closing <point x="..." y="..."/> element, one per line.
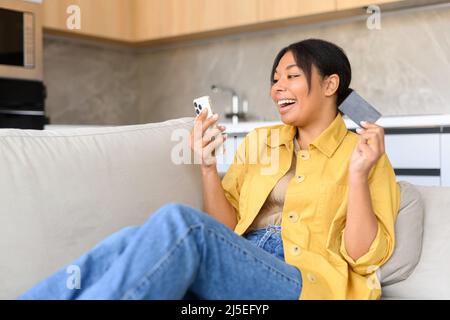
<point x="88" y="84"/>
<point x="404" y="68"/>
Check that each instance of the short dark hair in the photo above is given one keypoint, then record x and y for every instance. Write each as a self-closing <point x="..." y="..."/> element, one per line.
<point x="327" y="57"/>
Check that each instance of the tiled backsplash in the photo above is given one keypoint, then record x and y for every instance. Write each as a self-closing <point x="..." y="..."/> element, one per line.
<point x="403" y="68"/>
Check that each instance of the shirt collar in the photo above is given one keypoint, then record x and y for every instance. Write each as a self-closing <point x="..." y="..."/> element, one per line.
<point x="327" y="142"/>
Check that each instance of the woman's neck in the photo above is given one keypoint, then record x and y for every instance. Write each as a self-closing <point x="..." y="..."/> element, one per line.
<point x="307" y="134"/>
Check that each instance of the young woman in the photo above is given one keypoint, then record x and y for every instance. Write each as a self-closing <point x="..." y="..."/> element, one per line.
<point x="317" y="225"/>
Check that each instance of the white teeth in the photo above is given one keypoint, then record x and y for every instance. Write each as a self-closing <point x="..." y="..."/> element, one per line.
<point x="280" y="102"/>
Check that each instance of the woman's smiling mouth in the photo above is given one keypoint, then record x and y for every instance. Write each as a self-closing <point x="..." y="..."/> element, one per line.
<point x="285" y="105"/>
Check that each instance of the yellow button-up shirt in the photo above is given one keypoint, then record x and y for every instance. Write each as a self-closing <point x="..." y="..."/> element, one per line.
<point x="315" y="206"/>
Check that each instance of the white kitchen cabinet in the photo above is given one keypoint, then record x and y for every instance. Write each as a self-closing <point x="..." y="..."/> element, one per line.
<point x="417" y="153"/>
<point x="413" y="150"/>
<point x="445" y="158"/>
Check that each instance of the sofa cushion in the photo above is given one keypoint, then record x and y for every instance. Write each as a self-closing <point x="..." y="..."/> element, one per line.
<point x="63" y="191"/>
<point x="430" y="278"/>
<point x="408" y="234"/>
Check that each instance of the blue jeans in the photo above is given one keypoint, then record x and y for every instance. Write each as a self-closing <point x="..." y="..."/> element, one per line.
<point x="179" y="252"/>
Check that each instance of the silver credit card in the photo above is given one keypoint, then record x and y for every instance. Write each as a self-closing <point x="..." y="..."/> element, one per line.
<point x="358" y="109"/>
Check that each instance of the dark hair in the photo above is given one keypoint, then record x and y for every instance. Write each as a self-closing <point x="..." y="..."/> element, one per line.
<point x="327" y="57"/>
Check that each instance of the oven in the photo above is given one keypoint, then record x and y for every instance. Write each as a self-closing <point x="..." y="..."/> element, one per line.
<point x="22" y="91"/>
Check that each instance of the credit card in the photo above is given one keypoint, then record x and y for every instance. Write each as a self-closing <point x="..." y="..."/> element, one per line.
<point x="358" y="109"/>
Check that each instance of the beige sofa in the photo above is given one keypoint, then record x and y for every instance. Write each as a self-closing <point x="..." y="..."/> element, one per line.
<point x="63" y="191"/>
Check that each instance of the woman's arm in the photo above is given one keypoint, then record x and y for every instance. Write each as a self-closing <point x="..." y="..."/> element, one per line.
<point x="361" y="225"/>
<point x="204" y="143"/>
<point x="214" y="201"/>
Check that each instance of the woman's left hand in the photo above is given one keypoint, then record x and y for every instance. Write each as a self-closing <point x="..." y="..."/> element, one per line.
<point x="368" y="150"/>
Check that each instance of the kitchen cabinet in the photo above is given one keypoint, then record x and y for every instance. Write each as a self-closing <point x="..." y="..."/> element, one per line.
<point x="445" y="157"/>
<point x="169" y="18"/>
<point x="147" y="20"/>
<point x="106" y="19"/>
<point x="352" y="4"/>
<point x="283" y="9"/>
<point x="157" y="21"/>
<point x="143" y="20"/>
<point x="414" y="150"/>
<point x="416" y="157"/>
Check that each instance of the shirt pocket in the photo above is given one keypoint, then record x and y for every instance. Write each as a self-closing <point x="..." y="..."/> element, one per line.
<point x="331" y="201"/>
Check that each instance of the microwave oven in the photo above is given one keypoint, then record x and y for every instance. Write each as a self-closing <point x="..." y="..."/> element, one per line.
<point x="21" y="40"/>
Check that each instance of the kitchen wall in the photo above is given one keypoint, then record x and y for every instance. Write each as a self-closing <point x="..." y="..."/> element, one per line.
<point x="403" y="68"/>
<point x="88" y="83"/>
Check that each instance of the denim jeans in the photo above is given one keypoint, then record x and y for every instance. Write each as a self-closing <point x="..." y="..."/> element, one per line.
<point x="178" y="252"/>
<point x="268" y="239"/>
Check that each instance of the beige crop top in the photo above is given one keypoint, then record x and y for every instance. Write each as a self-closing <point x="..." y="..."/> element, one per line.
<point x="272" y="208"/>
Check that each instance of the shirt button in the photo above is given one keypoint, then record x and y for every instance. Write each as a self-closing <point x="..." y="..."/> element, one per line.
<point x="293" y="216"/>
<point x="300" y="178"/>
<point x="311" y="277"/>
<point x="295" y="250"/>
<point x="304" y="155"/>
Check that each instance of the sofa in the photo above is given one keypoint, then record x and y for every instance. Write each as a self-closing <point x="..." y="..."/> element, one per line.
<point x="62" y="191"/>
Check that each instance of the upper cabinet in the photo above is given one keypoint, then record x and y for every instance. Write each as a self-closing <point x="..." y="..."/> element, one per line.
<point x="107" y="19"/>
<point x="270" y="10"/>
<point x="153" y="21"/>
<point x="351" y="4"/>
<point x="170" y="18"/>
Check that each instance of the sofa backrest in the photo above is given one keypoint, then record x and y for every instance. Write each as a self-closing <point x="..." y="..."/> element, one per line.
<point x="61" y="192"/>
<point x="431" y="277"/>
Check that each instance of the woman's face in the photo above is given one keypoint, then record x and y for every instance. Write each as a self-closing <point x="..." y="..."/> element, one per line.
<point x="295" y="104"/>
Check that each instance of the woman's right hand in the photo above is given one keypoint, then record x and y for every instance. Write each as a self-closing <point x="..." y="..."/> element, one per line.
<point x="203" y="141"/>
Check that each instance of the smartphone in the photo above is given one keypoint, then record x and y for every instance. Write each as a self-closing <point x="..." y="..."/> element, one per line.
<point x="202" y="103"/>
<point x="358" y="109"/>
